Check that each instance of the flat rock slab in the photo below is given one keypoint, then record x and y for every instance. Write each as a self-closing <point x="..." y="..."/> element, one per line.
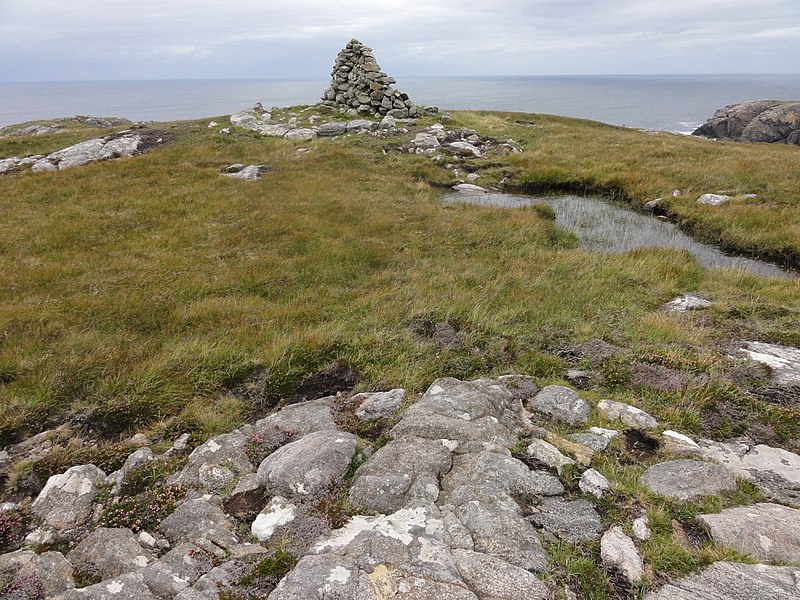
<point x="776" y="472"/>
<point x="783" y="361"/>
<point x="489" y="577"/>
<point x="561" y="403"/>
<point x="109" y="552"/>
<point x="687" y="479"/>
<point x="767" y="532"/>
<point x="734" y="581"/>
<point x="629" y="415"/>
<point x="573" y="521"/>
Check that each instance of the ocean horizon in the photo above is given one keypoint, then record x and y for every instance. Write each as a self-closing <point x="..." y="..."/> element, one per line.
<point x="676" y="103"/>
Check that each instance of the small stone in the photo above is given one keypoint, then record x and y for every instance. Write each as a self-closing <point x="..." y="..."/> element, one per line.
<point x="629" y="415"/>
<point x="140" y="440"/>
<point x="686" y="303"/>
<point x="147" y="540"/>
<point x="180" y="446"/>
<point x="469" y="189"/>
<point x="561" y="403"/>
<point x="641" y="529"/>
<point x="378" y="405"/>
<point x="679" y="444"/>
<point x="652" y="205"/>
<point x="249" y="173"/>
<point x="473" y="177"/>
<point x="549" y="455"/>
<point x="583" y="454"/>
<point x="619" y="555"/>
<point x="594" y="483"/>
<point x="680" y="537"/>
<point x="590" y="440"/>
<point x="580" y="379"/>
<point x="713" y="199"/>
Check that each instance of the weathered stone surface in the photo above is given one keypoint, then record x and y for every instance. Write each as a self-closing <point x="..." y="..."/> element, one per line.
<point x="359" y="124"/>
<point x="273" y="129"/>
<point x="594" y="483"/>
<point x="298" y="420"/>
<point x="549" y="455"/>
<point x="561" y="403"/>
<point x="402" y="471"/>
<point x="226" y="450"/>
<point x="127" y="587"/>
<point x="301" y="134"/>
<point x="278" y="512"/>
<point x="734" y="581"/>
<point x="464" y="148"/>
<point x="713" y="199"/>
<point x="783" y="361"/>
<point x="107" y="553"/>
<point x="246" y="119"/>
<point x="521" y="387"/>
<point x="629" y="415"/>
<point x="249" y="173"/>
<point x="332" y="129"/>
<point x="619" y="555"/>
<point x="326" y="576"/>
<point x="199" y="520"/>
<point x="467" y="412"/>
<point x="495" y="579"/>
<point x="50" y="568"/>
<point x="687" y="479"/>
<point x="573" y="521"/>
<point x="767" y="532"/>
<point x="680" y="444"/>
<point x="776" y="472"/>
<point x="65" y="503"/>
<point x="596" y="442"/>
<point x="378" y="405"/>
<point x="686" y="303"/>
<point x="641" y="529"/>
<point x="311" y="462"/>
<point x="177" y="570"/>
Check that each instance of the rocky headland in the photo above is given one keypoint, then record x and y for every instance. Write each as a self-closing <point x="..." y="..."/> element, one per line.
<point x="771" y="121"/>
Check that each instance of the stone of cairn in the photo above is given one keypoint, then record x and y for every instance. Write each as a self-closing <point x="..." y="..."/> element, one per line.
<point x="358" y="83"/>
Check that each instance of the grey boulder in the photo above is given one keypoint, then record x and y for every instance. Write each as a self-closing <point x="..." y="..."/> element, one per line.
<point x="574" y="521"/>
<point x="66" y="502"/>
<point x="561" y="403"/>
<point x="310" y="463"/>
<point x="107" y="553"/>
<point x="378" y="405"/>
<point x="629" y="415"/>
<point x="196" y="520"/>
<point x="495" y="579"/>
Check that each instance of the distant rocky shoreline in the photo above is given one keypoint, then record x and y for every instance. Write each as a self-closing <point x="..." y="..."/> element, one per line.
<point x="771" y="121"/>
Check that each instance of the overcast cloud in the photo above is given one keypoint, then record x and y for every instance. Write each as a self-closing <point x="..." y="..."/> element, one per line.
<point x="266" y="39"/>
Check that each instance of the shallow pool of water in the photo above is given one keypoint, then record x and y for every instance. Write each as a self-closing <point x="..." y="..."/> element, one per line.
<point x="603" y="227"/>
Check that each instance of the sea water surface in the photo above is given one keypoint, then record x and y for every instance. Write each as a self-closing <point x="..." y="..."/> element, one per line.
<point x="678" y="103"/>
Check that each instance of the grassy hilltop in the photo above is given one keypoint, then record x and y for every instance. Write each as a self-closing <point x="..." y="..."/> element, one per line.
<point x="143" y="293"/>
<point x="154" y="294"/>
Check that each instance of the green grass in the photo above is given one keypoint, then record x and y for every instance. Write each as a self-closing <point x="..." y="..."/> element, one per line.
<point x="140" y="292"/>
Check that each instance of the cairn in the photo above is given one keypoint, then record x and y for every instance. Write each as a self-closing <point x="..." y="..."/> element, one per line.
<point x="359" y="84"/>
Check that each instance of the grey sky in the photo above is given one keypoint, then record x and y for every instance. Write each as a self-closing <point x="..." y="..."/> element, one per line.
<point x="298" y="39"/>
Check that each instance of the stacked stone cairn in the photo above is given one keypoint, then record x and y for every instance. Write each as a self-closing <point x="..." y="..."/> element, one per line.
<point x="358" y="83"/>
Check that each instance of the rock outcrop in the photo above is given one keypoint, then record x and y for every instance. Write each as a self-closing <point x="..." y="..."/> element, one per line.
<point x="757" y="121"/>
<point x="357" y="82"/>
<point x="466" y="496"/>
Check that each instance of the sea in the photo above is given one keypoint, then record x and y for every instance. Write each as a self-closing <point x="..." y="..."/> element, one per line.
<point x="676" y="103"/>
